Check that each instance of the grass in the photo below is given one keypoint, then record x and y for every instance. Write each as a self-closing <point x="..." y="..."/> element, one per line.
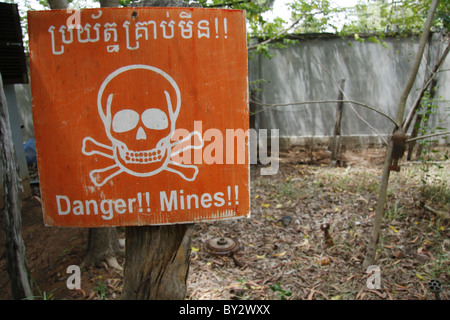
<point x="348" y="179"/>
<point x="100" y="289"/>
<point x="42" y="295"/>
<point x="395" y="212"/>
<point x="437" y="193"/>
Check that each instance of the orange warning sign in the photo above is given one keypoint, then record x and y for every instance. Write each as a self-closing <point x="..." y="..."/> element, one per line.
<point x="140" y="115"/>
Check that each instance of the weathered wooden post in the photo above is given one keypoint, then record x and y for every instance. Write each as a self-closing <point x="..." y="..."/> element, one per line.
<point x="149" y="123"/>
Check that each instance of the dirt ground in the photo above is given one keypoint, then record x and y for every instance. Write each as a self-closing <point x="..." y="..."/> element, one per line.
<point x="284" y="253"/>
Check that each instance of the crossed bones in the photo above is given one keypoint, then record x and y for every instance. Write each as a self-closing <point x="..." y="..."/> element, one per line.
<point x="100" y="176"/>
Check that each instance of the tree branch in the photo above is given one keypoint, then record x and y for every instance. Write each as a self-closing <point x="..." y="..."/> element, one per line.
<point x="441" y="214"/>
<point x="435" y="71"/>
<point x="275" y="37"/>
<point x="269" y="106"/>
<point x="429" y="136"/>
<point x="225" y="4"/>
<point x="413" y="74"/>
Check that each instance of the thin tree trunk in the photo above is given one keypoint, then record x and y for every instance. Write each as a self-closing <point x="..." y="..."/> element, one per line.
<point x="58" y="4"/>
<point x="252" y="107"/>
<point x="16" y="261"/>
<point x="109" y="3"/>
<point x="337" y="127"/>
<point x="379" y="213"/>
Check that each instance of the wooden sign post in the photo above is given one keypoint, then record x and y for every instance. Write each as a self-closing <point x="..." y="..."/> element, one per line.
<point x="140" y="115"/>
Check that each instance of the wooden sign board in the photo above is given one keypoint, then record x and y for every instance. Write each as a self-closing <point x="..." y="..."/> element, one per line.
<point x="140" y="115"/>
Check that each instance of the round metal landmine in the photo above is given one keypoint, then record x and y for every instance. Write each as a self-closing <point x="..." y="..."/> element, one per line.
<point x="222" y="246"/>
<point x="435" y="285"/>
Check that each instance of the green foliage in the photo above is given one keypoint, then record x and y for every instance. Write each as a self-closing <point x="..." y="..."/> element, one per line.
<point x="257" y="25"/>
<point x="377" y="17"/>
<point x="314" y="15"/>
<point x="100" y="289"/>
<point x="255" y="85"/>
<point x="125" y="3"/>
<point x="381" y="16"/>
<point x="280" y="291"/>
<point x="442" y="14"/>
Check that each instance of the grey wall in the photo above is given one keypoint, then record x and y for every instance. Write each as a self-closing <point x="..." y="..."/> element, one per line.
<point x="23" y="97"/>
<point x="375" y="74"/>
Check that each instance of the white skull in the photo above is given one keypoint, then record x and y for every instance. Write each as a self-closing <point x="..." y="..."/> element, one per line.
<point x="139" y="105"/>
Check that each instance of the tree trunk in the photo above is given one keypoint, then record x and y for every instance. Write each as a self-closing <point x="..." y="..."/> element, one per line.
<point x="157" y="257"/>
<point x="337" y="127"/>
<point x="379" y="213"/>
<point x="109" y="3"/>
<point x="252" y="107"/>
<point x="16" y="261"/>
<point x="58" y="4"/>
<point x="103" y="246"/>
<point x="157" y="262"/>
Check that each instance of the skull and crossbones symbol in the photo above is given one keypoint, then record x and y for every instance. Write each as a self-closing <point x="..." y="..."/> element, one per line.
<point x="139" y="106"/>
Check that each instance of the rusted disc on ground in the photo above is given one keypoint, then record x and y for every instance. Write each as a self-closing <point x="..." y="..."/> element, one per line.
<point x="222" y="246"/>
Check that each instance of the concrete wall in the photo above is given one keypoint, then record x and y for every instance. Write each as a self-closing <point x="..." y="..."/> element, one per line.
<point x="374" y="74"/>
<point x="23" y="97"/>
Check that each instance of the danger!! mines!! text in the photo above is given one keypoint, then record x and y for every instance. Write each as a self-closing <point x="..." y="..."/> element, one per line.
<point x="173" y="200"/>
